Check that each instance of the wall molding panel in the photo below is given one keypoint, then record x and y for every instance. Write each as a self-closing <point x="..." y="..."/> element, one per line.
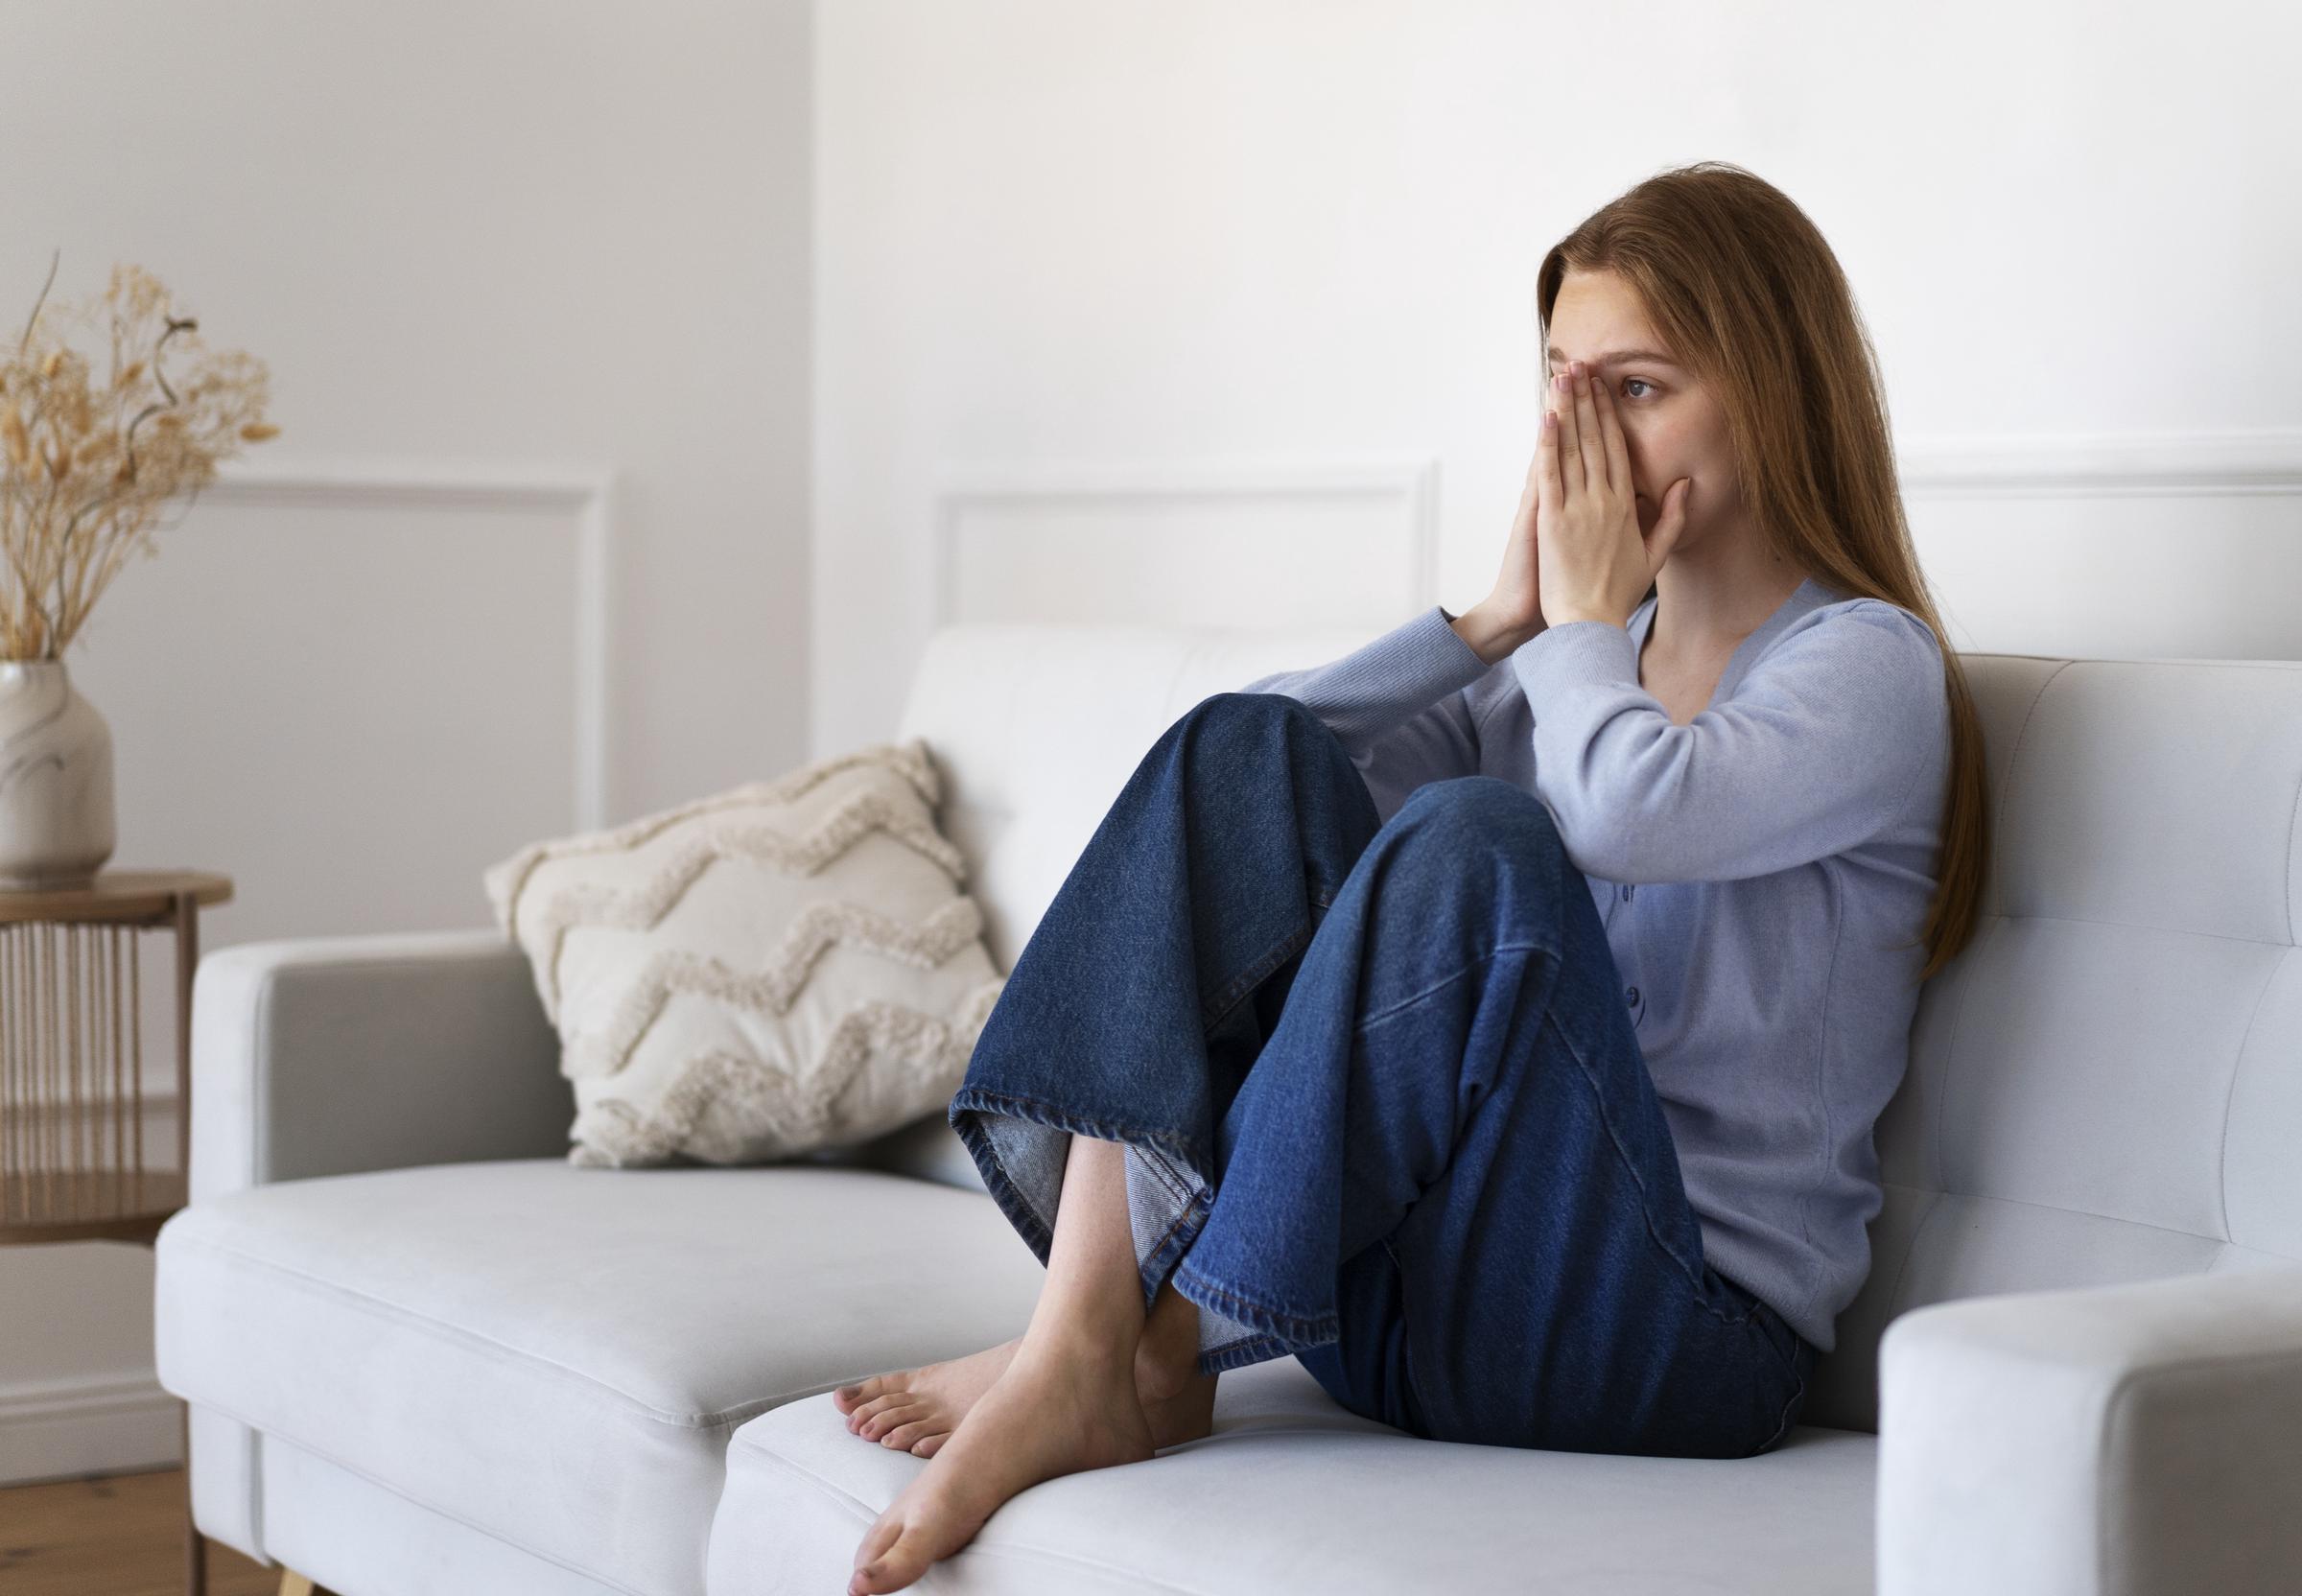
<point x="1387" y="505"/>
<point x="585" y="493"/>
<point x="2005" y="524"/>
<point x="2107" y="546"/>
<point x="2100" y="465"/>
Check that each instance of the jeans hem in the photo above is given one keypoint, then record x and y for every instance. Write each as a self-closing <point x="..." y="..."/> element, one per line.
<point x="1297" y="1332"/>
<point x="1168" y="1202"/>
<point x="1239" y="1354"/>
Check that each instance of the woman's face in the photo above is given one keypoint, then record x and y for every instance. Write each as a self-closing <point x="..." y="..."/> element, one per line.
<point x="1672" y="427"/>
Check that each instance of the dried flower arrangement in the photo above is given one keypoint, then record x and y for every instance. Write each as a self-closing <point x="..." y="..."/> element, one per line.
<point x="85" y="470"/>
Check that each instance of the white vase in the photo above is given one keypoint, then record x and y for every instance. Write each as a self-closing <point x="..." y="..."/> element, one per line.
<point x="56" y="779"/>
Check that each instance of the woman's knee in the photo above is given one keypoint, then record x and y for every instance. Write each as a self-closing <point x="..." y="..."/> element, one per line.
<point x="1465" y="815"/>
<point x="1469" y="852"/>
<point x="1250" y="710"/>
<point x="1230" y="732"/>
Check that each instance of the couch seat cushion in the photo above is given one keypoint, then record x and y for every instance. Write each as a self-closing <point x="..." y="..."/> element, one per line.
<point x="1294" y="1494"/>
<point x="557" y="1356"/>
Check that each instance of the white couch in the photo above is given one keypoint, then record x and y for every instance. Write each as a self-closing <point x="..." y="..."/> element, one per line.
<point x="424" y="1356"/>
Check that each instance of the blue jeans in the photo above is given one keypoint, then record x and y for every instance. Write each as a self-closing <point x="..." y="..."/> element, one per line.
<point x="1382" y="1103"/>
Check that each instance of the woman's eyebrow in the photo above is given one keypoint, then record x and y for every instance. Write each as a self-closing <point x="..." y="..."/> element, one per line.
<point x="1620" y="357"/>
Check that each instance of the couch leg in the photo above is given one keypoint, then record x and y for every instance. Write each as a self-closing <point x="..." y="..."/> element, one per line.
<point x="293" y="1584"/>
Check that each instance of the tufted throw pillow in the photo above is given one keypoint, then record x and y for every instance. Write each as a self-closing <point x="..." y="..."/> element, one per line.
<point x="786" y="966"/>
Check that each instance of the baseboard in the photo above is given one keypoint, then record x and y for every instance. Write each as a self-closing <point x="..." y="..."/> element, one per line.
<point x="93" y="1424"/>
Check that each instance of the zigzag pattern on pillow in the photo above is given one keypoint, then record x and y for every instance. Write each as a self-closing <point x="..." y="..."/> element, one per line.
<point x="773" y="989"/>
<point x="595" y="905"/>
<point x="687" y="999"/>
<point x="503" y="881"/>
<point x="774" y="1107"/>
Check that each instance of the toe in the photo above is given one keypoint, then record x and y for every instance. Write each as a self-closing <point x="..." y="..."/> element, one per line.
<point x="861" y="1413"/>
<point x="848" y="1397"/>
<point x="898" y="1567"/>
<point x="868" y="1564"/>
<point x="906" y="1433"/>
<point x="929" y="1445"/>
<point x="879" y="1424"/>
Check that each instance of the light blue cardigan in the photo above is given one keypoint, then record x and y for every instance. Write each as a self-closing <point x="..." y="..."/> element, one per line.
<point x="1754" y="869"/>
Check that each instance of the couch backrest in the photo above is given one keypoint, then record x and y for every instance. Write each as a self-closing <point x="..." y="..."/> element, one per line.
<point x="2104" y="1086"/>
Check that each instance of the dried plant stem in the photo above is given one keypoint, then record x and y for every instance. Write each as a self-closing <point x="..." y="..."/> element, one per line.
<point x="33" y="320"/>
<point x="85" y="468"/>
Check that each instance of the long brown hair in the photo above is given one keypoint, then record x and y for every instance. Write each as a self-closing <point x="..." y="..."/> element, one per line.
<point x="1750" y="299"/>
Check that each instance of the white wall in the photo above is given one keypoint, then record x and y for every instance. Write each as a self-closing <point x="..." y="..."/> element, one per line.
<point x="1180" y="309"/>
<point x="497" y="255"/>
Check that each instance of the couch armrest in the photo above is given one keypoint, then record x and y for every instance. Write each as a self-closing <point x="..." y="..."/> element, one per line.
<point x="327" y="1055"/>
<point x="2108" y="1441"/>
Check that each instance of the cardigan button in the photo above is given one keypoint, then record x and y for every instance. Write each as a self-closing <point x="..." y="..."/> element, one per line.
<point x="1626" y="894"/>
<point x="1632" y="994"/>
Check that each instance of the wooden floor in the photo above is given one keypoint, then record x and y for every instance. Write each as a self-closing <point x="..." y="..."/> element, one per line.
<point x="116" y="1534"/>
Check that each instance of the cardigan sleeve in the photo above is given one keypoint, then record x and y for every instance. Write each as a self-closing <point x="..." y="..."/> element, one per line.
<point x="1397" y="705"/>
<point x="1818" y="750"/>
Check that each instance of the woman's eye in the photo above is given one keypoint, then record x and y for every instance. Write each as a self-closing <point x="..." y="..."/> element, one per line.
<point x="1640" y="381"/>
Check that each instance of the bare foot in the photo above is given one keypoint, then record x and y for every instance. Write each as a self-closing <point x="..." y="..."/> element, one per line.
<point x="914" y="1410"/>
<point x="1055" y="1409"/>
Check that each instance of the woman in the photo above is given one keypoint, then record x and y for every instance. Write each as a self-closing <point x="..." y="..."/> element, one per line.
<point x="1495" y="1018"/>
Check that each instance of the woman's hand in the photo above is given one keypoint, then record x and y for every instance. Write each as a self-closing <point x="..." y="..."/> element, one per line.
<point x="1594" y="562"/>
<point x="1498" y="624"/>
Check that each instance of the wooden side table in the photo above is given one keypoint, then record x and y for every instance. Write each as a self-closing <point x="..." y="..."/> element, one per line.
<point x="72" y="1158"/>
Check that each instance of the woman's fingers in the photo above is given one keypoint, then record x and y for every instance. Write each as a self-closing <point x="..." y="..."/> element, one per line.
<point x="1561" y="402"/>
<point x="1618" y="452"/>
<point x="1550" y="486"/>
<point x="1590" y="440"/>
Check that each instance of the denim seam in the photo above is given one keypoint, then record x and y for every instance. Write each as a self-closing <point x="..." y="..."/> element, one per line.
<point x="1789" y="1359"/>
<point x="1381" y="1015"/>
<point x="1783" y="1425"/>
<point x="1646" y="1213"/>
<point x="1162" y="1168"/>
<point x="1157" y="1253"/>
<point x="1165" y="1236"/>
<point x="1243" y="984"/>
<point x="1757" y="1320"/>
<point x="1160" y="1262"/>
